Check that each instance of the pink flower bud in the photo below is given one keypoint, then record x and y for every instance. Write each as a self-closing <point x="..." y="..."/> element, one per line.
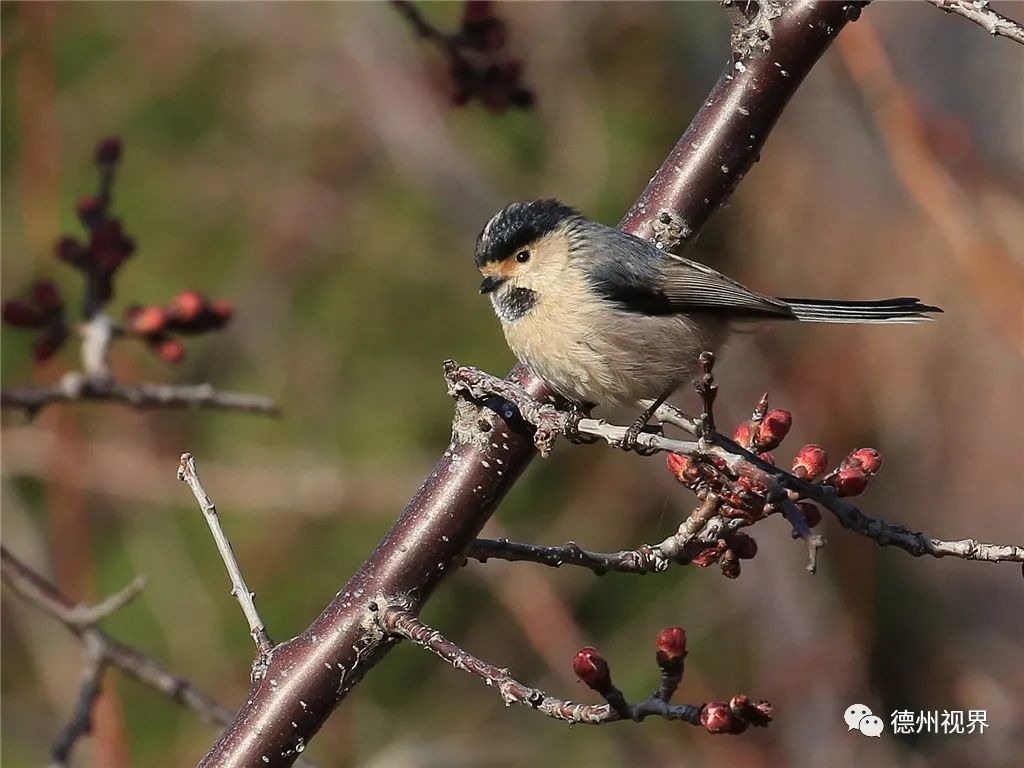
<point x="868" y="459"/>
<point x="671" y="646"/>
<point x="717" y="717"/>
<point x="148" y="320"/>
<point x="744" y="434"/>
<point x="21" y="314"/>
<point x="850" y="481"/>
<point x="774" y="428"/>
<point x="108" y="151"/>
<point x="810" y="462"/>
<point x="590" y="667"/>
<point x="171" y="351"/>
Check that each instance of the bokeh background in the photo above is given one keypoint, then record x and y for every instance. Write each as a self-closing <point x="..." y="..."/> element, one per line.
<point x="305" y="161"/>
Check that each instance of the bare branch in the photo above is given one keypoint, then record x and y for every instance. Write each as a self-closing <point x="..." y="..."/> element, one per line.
<point x="476" y="385"/>
<point x="397" y="621"/>
<point x="74" y="387"/>
<point x="80" y="724"/>
<point x="188" y="473"/>
<point x="702" y="529"/>
<point x="979" y="12"/>
<point x="88" y="615"/>
<point x="37" y="591"/>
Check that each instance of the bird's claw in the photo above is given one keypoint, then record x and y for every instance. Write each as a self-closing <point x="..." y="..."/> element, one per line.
<point x="572" y="428"/>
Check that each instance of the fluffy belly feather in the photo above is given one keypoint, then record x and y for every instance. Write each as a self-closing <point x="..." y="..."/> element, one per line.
<point x="606" y="356"/>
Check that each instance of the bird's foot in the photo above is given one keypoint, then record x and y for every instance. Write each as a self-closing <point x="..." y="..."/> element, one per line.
<point x="572" y="427"/>
<point x="630" y="442"/>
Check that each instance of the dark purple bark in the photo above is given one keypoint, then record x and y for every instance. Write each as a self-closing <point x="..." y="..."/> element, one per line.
<point x="308" y="676"/>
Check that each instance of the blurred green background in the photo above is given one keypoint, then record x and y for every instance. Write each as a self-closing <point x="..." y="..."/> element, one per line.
<point x="305" y="162"/>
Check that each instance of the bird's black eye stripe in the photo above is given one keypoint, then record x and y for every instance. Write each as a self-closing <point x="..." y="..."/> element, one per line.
<point x="523" y="256"/>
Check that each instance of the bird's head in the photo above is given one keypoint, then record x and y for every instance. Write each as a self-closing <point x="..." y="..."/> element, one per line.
<point x="524" y="247"/>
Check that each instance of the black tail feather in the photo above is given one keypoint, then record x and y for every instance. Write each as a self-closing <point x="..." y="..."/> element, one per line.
<point x="905" y="309"/>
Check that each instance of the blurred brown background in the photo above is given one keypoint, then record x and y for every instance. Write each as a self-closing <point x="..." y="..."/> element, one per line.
<point x="304" y="161"/>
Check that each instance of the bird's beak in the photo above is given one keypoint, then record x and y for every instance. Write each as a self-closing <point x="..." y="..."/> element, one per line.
<point x="491" y="284"/>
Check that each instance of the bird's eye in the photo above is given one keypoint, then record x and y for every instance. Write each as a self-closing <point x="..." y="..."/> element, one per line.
<point x="523" y="256"/>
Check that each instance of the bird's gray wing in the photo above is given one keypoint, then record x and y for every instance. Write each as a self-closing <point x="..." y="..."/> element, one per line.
<point x="690" y="285"/>
<point x="639" y="277"/>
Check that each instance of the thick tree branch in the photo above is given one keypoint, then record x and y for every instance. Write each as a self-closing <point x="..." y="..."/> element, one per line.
<point x="75" y="387"/>
<point x="991" y="20"/>
<point x="487" y="452"/>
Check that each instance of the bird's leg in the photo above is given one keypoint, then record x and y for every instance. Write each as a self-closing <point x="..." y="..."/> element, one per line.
<point x="629" y="439"/>
<point x="571" y="431"/>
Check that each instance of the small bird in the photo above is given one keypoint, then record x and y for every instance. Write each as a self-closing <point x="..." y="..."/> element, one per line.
<point x="606" y="318"/>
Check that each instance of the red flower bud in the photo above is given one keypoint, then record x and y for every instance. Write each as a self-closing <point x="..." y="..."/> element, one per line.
<point x="187" y="306"/>
<point x="683" y="468"/>
<point x="47" y="344"/>
<point x="743" y="545"/>
<point x="774" y="428"/>
<point x="811" y="513"/>
<point x="850" y="481"/>
<point x="110" y="245"/>
<point x="21" y="314"/>
<point x="730" y="565"/>
<point x="46" y="295"/>
<point x="171" y="350"/>
<point x="149" y="320"/>
<point x="71" y="251"/>
<point x="810" y="462"/>
<point x="475" y="11"/>
<point x="671" y="646"/>
<point x="744" y="434"/>
<point x="716" y="717"/>
<point x="590" y="667"/>
<point x="89" y="210"/>
<point x="867" y="459"/>
<point x="108" y="151"/>
<point x="710" y="555"/>
<point x="223" y="309"/>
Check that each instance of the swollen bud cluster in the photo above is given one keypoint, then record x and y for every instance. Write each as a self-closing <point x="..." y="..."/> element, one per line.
<point x="736" y="716"/>
<point x="107" y="245"/>
<point x="733" y="717"/>
<point x="189" y="313"/>
<point x="41" y="309"/>
<point x="481" y="67"/>
<point x="740" y="489"/>
<point x="98" y="258"/>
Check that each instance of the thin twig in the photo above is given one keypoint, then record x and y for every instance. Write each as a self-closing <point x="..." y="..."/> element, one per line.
<point x="708" y="391"/>
<point x="397" y="621"/>
<point x="88" y="615"/>
<point x="144" y="669"/>
<point x="981" y="14"/>
<point x="39" y="592"/>
<point x="74" y="387"/>
<point x="477" y="386"/>
<point x="80" y="724"/>
<point x="188" y="473"/>
<point x="702" y="529"/>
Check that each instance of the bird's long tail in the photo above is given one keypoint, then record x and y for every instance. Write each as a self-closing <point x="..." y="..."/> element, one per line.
<point x="901" y="310"/>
